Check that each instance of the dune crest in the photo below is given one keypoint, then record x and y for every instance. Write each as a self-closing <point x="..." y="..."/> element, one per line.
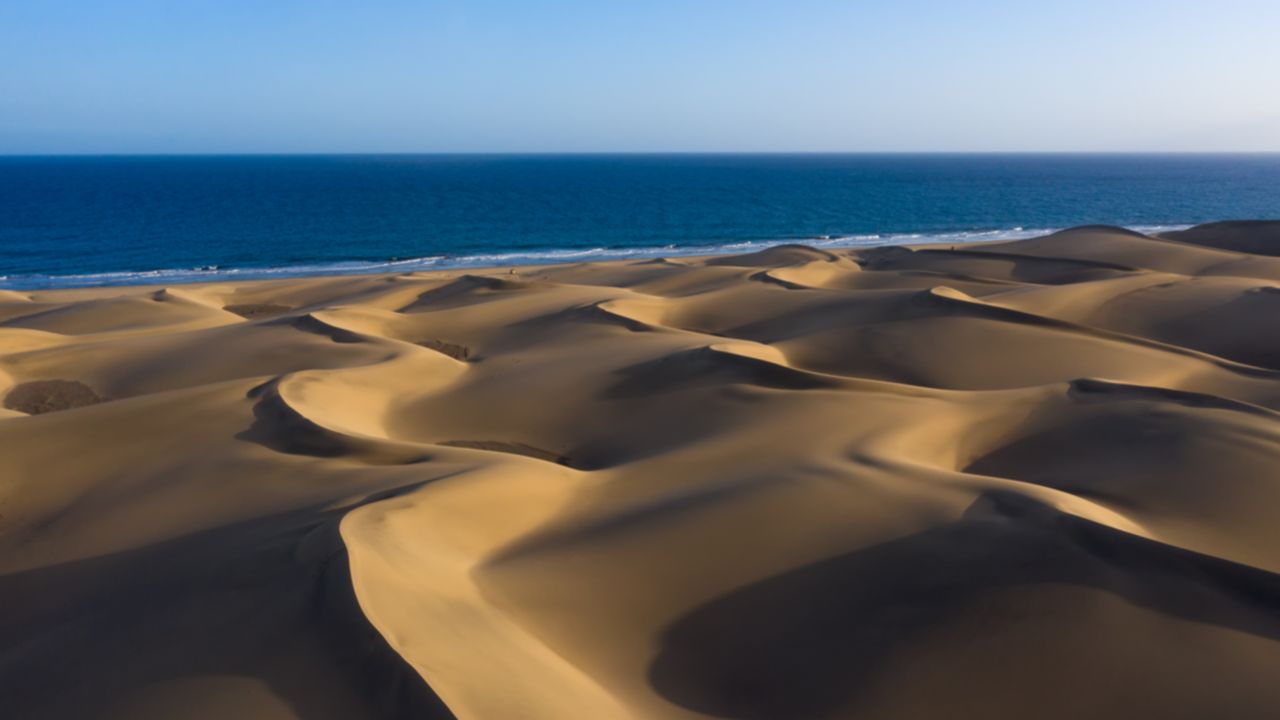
<point x="1021" y="479"/>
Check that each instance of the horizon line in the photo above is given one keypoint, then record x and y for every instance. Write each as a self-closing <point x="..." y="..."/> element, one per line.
<point x="607" y="153"/>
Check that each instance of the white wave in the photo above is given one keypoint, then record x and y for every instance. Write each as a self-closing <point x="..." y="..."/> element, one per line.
<point x="214" y="273"/>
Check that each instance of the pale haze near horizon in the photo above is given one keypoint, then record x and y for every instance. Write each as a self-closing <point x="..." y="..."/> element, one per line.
<point x="233" y="76"/>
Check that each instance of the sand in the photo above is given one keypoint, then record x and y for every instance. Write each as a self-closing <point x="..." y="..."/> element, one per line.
<point x="1032" y="479"/>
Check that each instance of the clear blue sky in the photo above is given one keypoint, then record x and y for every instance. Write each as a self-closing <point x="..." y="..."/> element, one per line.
<point x="123" y="76"/>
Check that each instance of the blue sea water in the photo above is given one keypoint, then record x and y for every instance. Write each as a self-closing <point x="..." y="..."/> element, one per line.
<point x="67" y="221"/>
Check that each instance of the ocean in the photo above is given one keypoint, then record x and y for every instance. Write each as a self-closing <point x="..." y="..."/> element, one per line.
<point x="111" y="220"/>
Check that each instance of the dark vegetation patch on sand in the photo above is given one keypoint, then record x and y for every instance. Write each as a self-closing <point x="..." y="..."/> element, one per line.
<point x="252" y="311"/>
<point x="42" y="396"/>
<point x="453" y="350"/>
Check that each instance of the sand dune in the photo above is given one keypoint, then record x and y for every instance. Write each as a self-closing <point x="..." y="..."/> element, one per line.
<point x="1021" y="479"/>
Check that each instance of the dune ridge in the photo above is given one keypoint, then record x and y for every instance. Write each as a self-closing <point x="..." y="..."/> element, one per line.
<point x="1035" y="478"/>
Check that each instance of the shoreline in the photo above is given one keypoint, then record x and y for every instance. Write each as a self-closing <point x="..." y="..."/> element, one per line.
<point x="491" y="261"/>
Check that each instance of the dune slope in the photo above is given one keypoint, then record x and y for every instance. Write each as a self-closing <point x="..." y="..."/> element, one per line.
<point x="1026" y="479"/>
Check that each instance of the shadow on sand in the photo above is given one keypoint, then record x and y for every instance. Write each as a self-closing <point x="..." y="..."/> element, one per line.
<point x="804" y="643"/>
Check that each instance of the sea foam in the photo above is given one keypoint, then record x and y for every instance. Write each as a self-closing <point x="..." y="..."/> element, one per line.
<point x="215" y="273"/>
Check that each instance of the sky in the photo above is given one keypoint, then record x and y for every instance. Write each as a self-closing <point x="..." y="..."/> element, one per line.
<point x="315" y="76"/>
